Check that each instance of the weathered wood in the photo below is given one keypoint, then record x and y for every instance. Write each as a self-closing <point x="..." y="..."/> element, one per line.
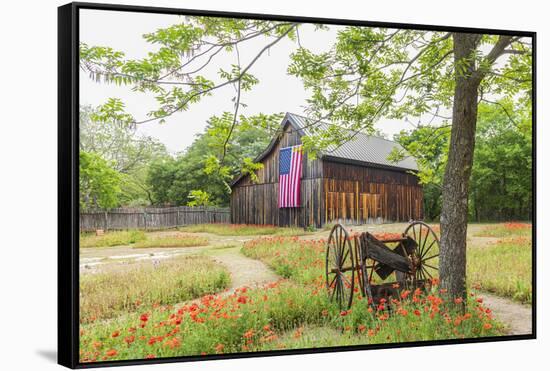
<point x="385" y="256"/>
<point x="151" y="218"/>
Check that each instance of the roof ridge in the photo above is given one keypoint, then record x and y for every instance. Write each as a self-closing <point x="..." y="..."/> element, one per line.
<point x="353" y="131"/>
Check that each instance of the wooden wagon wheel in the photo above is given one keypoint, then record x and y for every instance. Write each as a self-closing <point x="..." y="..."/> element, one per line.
<point x="340" y="267"/>
<point x="425" y="254"/>
<point x="365" y="271"/>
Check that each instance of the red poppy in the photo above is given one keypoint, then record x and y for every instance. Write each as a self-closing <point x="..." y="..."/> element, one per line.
<point x="219" y="348"/>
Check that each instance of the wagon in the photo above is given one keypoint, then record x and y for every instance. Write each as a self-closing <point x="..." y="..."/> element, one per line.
<point x="379" y="268"/>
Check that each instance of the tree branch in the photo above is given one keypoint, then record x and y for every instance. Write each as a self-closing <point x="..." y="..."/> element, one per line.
<point x="239" y="77"/>
<point x="498" y="49"/>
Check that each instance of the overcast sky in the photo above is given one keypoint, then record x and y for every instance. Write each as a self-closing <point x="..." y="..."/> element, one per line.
<point x="276" y="92"/>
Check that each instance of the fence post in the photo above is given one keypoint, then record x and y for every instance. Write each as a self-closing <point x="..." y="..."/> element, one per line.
<point x="145" y="218"/>
<point x="178" y="217"/>
<point x="106" y="223"/>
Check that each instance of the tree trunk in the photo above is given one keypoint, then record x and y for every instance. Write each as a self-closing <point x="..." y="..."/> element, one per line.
<point x="454" y="213"/>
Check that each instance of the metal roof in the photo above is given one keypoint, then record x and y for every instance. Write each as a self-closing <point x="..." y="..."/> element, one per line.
<point x="361" y="148"/>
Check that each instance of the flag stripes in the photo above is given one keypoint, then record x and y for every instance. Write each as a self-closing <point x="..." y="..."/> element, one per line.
<point x="290" y="171"/>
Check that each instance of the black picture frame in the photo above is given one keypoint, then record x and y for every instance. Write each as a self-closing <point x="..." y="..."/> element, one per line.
<point x="68" y="172"/>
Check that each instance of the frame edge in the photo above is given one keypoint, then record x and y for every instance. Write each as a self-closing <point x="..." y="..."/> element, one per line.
<point x="67" y="302"/>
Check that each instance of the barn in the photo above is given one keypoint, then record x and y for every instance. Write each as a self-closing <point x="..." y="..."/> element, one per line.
<point x="354" y="183"/>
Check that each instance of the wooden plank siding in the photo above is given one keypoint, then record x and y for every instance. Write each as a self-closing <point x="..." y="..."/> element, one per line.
<point x="330" y="191"/>
<point x="256" y="203"/>
<point x="359" y="194"/>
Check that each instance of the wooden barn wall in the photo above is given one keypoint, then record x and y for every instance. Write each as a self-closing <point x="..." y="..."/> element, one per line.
<point x="256" y="202"/>
<point x="359" y="194"/>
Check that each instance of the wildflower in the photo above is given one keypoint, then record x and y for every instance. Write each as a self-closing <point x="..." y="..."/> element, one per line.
<point x="361" y="328"/>
<point x="249" y="334"/>
<point x="417" y="312"/>
<point x="150" y="356"/>
<point x="115" y="334"/>
<point x="242" y="299"/>
<point x="172" y="343"/>
<point x="144" y="317"/>
<point x="219" y="348"/>
<point x="487" y="326"/>
<point x="405" y="293"/>
<point x="111" y="353"/>
<point x="458" y="300"/>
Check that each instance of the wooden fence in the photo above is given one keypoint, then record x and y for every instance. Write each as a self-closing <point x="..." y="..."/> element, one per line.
<point x="151" y="218"/>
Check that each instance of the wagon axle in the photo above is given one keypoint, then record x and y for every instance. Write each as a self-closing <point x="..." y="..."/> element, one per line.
<point x="369" y="262"/>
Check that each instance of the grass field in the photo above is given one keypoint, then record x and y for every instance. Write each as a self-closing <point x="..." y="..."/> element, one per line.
<point x="180" y="240"/>
<point x="511" y="229"/>
<point x="140" y="239"/>
<point x="144" y="322"/>
<point x="242" y="230"/>
<point x="145" y="284"/>
<point x="503" y="268"/>
<point x="109" y="239"/>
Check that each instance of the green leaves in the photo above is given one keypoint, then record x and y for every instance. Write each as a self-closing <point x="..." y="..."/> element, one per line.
<point x="201" y="167"/>
<point x="112" y="111"/>
<point x="99" y="182"/>
<point x="198" y="198"/>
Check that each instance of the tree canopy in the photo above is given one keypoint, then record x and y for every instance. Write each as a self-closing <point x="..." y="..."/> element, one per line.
<point x="501" y="180"/>
<point x="127" y="153"/>
<point x="199" y="168"/>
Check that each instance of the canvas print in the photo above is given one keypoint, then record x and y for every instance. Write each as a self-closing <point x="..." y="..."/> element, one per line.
<point x="252" y="185"/>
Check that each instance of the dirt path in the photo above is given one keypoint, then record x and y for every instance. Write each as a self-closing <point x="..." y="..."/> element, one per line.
<point x="245" y="271"/>
<point x="517" y="317"/>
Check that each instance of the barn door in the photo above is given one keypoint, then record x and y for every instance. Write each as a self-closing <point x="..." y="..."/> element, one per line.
<point x="369" y="206"/>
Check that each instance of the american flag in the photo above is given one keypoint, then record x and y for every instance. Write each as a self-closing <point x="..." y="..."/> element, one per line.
<point x="290" y="171"/>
